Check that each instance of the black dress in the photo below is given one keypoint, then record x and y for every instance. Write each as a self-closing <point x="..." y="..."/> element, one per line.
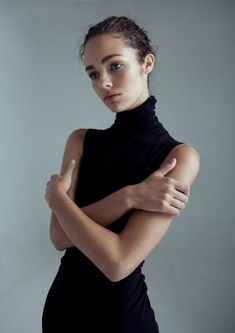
<point x="82" y="299"/>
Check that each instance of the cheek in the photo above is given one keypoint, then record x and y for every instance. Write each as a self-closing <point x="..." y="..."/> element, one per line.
<point x="132" y="74"/>
<point x="126" y="77"/>
<point x="132" y="71"/>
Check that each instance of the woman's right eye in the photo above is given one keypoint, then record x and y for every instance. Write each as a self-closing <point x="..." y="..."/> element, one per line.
<point x="91" y="75"/>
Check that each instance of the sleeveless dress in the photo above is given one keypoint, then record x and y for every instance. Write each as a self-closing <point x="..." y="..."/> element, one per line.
<point x="81" y="298"/>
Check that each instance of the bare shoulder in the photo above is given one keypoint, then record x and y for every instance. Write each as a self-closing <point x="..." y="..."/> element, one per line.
<point x="76" y="137"/>
<point x="187" y="150"/>
<point x="187" y="163"/>
<point x="74" y="143"/>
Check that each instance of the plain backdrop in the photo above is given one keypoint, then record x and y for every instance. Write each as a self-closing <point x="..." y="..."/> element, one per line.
<point x="45" y="95"/>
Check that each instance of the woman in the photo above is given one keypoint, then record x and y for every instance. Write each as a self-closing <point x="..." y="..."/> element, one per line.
<point x="115" y="212"/>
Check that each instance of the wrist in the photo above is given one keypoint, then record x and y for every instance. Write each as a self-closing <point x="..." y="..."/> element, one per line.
<point x="132" y="196"/>
<point x="56" y="198"/>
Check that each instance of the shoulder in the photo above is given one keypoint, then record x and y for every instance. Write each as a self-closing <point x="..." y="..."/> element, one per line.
<point x="186" y="152"/>
<point x="74" y="144"/>
<point x="73" y="150"/>
<point x="78" y="133"/>
<point x="76" y="138"/>
<point x="187" y="163"/>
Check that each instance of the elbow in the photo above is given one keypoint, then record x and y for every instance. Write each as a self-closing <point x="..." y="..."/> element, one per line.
<point x="123" y="269"/>
<point x="118" y="272"/>
<point x="57" y="242"/>
<point x="57" y="245"/>
<point x="114" y="275"/>
<point x="59" y="248"/>
<point x="112" y="270"/>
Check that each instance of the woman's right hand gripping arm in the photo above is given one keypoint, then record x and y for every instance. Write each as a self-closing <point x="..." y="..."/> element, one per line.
<point x="156" y="193"/>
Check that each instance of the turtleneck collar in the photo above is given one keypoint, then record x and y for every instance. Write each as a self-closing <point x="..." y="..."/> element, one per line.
<point x="140" y="118"/>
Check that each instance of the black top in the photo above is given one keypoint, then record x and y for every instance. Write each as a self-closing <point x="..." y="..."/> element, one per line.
<point x="126" y="153"/>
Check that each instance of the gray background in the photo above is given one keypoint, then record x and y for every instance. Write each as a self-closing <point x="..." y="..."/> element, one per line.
<point x="45" y="94"/>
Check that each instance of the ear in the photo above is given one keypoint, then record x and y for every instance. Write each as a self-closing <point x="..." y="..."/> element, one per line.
<point x="148" y="63"/>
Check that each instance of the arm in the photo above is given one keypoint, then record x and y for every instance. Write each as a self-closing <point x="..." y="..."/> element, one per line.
<point x="115" y="254"/>
<point x="113" y="206"/>
<point x="155" y="193"/>
<point x="104" y="211"/>
<point x="72" y="150"/>
<point x="145" y="229"/>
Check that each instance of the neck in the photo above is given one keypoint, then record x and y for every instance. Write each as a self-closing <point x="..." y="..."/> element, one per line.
<point x="139" y="118"/>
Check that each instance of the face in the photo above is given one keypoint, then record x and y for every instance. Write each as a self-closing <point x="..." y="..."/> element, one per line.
<point x="113" y="68"/>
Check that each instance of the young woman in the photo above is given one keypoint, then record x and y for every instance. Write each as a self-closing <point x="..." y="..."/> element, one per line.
<point x="117" y="193"/>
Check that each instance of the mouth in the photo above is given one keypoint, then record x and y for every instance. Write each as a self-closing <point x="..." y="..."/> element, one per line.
<point x="108" y="97"/>
<point x="112" y="98"/>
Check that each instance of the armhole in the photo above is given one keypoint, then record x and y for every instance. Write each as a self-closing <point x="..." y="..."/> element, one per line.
<point x="175" y="144"/>
<point x="171" y="144"/>
<point x="169" y="141"/>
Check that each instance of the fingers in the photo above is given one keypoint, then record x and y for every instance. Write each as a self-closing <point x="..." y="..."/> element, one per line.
<point x="171" y="210"/>
<point x="174" y="207"/>
<point x="182" y="188"/>
<point x="167" y="167"/>
<point x="177" y="204"/>
<point x="180" y="196"/>
<point x="70" y="167"/>
<point x="176" y="200"/>
<point x="71" y="164"/>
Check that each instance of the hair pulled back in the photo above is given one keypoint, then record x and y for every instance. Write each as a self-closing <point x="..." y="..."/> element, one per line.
<point x="126" y="29"/>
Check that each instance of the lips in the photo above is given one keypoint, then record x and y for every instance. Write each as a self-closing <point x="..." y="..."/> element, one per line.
<point x="111" y="96"/>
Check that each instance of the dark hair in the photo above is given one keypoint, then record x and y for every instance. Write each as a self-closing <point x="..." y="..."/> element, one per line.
<point x="125" y="28"/>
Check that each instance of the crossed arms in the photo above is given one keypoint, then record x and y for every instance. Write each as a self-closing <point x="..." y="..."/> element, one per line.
<point x="116" y="255"/>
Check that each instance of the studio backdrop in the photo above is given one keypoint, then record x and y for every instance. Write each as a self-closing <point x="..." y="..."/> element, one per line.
<point x="45" y="94"/>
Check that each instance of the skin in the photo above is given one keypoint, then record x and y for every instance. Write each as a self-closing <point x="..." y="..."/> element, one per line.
<point x="107" y="79"/>
<point x="162" y="194"/>
<point x="116" y="255"/>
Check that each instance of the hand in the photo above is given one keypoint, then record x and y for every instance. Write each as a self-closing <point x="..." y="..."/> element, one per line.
<point x="59" y="183"/>
<point x="158" y="193"/>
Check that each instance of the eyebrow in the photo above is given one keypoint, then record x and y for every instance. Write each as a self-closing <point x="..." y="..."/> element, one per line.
<point x="105" y="59"/>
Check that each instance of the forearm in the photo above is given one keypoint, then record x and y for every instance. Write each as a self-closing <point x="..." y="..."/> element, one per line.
<point x="99" y="244"/>
<point x="113" y="206"/>
<point x="103" y="212"/>
<point x="57" y="235"/>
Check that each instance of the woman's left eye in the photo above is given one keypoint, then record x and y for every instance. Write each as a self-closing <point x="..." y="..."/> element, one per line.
<point x="116" y="64"/>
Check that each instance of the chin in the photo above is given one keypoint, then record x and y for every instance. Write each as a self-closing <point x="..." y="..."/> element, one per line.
<point x="115" y="107"/>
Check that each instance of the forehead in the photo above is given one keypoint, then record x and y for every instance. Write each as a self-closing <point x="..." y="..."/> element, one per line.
<point x="102" y="45"/>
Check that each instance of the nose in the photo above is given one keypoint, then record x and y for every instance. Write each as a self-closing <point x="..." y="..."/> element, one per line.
<point x="105" y="81"/>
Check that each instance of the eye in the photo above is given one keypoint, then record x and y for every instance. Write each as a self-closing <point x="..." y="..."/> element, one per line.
<point x="114" y="64"/>
<point x="91" y="75"/>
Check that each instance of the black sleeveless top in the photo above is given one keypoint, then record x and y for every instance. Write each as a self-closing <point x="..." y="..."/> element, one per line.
<point x="81" y="296"/>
